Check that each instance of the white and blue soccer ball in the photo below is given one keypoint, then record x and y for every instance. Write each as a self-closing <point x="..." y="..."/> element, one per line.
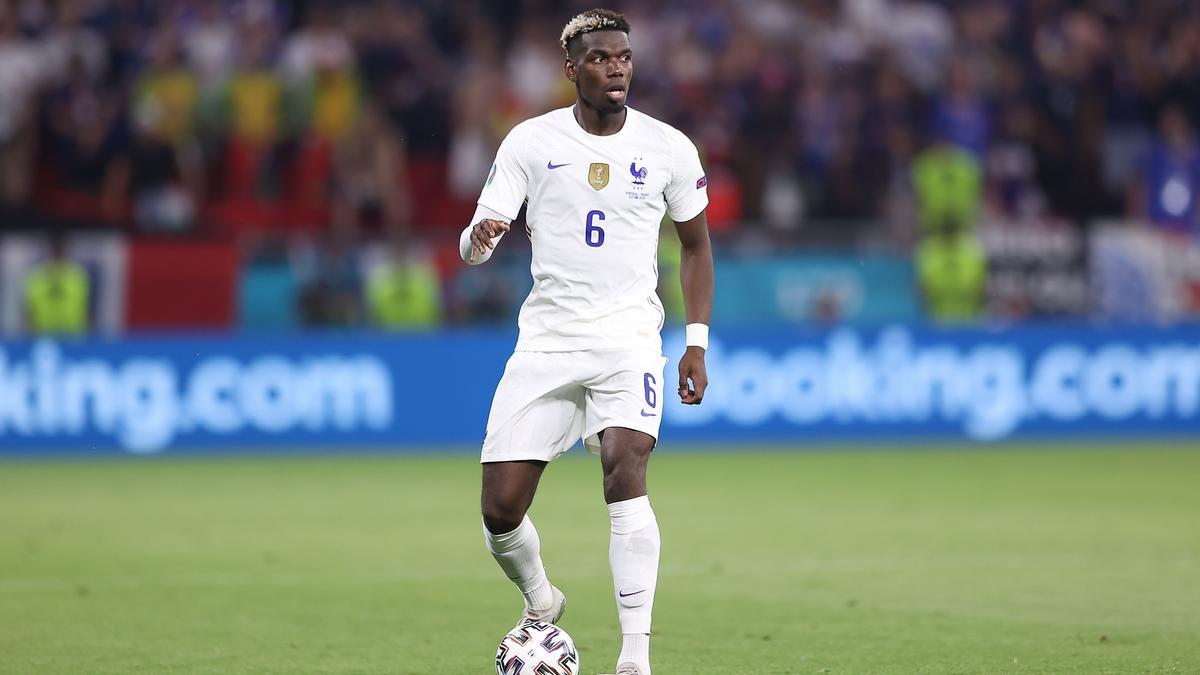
<point x="537" y="648"/>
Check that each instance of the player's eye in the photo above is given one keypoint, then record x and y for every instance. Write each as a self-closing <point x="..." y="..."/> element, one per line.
<point x="626" y="58"/>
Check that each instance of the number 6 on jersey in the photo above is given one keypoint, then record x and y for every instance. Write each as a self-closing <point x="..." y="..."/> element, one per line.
<point x="594" y="234"/>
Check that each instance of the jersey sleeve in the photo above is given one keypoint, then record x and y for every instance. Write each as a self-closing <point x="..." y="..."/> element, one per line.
<point x="687" y="192"/>
<point x="507" y="182"/>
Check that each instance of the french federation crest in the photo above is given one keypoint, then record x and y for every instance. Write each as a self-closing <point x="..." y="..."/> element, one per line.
<point x="598" y="175"/>
<point x="639" y="173"/>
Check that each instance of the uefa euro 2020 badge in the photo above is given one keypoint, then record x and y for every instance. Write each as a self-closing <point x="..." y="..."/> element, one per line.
<point x="638" y="178"/>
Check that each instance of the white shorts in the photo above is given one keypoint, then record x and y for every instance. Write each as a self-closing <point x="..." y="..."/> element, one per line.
<point x="548" y="400"/>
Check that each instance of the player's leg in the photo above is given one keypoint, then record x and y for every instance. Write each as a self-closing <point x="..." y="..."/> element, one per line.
<point x="507" y="494"/>
<point x="508" y="491"/>
<point x="536" y="415"/>
<point x="622" y="403"/>
<point x="633" y="548"/>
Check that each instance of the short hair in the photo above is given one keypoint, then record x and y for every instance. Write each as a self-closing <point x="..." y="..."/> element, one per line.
<point x="591" y="21"/>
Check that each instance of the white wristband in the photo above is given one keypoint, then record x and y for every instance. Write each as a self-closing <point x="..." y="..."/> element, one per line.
<point x="464" y="240"/>
<point x="465" y="247"/>
<point x="697" y="335"/>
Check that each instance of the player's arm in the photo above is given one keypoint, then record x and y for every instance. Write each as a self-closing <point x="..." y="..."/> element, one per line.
<point x="499" y="201"/>
<point x="696" y="277"/>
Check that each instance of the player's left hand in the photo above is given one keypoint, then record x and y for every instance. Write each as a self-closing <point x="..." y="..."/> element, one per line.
<point x="693" y="376"/>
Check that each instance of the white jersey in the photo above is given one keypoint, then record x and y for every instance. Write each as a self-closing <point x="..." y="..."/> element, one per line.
<point x="595" y="207"/>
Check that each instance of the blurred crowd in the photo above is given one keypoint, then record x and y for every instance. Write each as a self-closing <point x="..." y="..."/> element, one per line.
<point x="151" y="111"/>
<point x="905" y="122"/>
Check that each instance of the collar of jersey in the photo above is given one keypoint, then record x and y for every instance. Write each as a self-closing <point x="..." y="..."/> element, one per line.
<point x="630" y="113"/>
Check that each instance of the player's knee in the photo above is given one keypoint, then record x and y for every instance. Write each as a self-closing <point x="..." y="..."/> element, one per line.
<point x="500" y="517"/>
<point x="624" y="480"/>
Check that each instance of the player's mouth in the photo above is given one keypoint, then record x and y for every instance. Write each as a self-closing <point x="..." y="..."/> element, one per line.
<point x="616" y="94"/>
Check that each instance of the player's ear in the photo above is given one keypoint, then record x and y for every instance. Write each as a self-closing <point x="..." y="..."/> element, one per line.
<point x="569" y="69"/>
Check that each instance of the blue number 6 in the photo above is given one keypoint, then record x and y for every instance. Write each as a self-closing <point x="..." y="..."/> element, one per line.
<point x="651" y="395"/>
<point x="594" y="234"/>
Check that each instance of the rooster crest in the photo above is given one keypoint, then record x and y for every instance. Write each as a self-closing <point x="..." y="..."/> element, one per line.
<point x="639" y="175"/>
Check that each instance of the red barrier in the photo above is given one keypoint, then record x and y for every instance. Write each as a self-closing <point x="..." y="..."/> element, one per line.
<point x="180" y="284"/>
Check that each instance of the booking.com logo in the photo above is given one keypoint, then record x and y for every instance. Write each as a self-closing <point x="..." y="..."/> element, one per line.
<point x="145" y="403"/>
<point x="988" y="389"/>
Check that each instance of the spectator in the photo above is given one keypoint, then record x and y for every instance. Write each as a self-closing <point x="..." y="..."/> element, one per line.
<point x="474" y="141"/>
<point x="320" y="43"/>
<point x="331" y="283"/>
<point x="57" y="294"/>
<point x="250" y="114"/>
<point x="961" y="116"/>
<point x="255" y="91"/>
<point x="1170" y="192"/>
<point x="948" y="182"/>
<point x="70" y="43"/>
<point x="210" y="43"/>
<point x="326" y="101"/>
<point x="492" y="296"/>
<point x="126" y="25"/>
<point x="407" y="72"/>
<point x="404" y="292"/>
<point x="1069" y="49"/>
<point x="952" y="273"/>
<point x="20" y="78"/>
<point x="323" y="103"/>
<point x="319" y="69"/>
<point x="370" y="177"/>
<point x="162" y="168"/>
<point x="534" y="69"/>
<point x="166" y="93"/>
<point x="86" y="135"/>
<point x="1012" y="186"/>
<point x="921" y="35"/>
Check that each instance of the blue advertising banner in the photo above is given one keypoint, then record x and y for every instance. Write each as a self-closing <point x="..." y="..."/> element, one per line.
<point x="199" y="394"/>
<point x="901" y="383"/>
<point x="285" y="392"/>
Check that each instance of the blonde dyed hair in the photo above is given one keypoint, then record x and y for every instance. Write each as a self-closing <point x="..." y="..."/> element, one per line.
<point x="593" y="20"/>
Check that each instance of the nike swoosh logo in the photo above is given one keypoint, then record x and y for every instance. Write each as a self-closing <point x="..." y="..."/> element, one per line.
<point x="626" y="595"/>
<point x="646" y="414"/>
<point x="552" y="165"/>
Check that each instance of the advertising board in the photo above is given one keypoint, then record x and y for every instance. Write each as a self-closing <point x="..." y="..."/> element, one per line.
<point x="196" y="394"/>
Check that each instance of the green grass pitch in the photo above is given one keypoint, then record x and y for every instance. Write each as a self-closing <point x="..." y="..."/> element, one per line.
<point x="1007" y="560"/>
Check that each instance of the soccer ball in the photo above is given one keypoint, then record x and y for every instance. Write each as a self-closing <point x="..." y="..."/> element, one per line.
<point x="537" y="648"/>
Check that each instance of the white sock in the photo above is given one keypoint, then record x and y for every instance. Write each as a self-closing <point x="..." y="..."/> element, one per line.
<point x="635" y="648"/>
<point x="633" y="555"/>
<point x="519" y="554"/>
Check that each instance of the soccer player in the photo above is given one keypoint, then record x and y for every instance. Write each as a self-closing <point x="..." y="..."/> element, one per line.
<point x="597" y="178"/>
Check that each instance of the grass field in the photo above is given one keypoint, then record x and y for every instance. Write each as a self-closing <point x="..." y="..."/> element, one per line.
<point x="1011" y="560"/>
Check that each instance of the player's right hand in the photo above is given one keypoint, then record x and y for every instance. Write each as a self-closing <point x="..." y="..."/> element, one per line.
<point x="484" y="234"/>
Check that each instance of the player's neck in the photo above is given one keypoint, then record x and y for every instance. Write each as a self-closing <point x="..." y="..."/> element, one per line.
<point x="597" y="122"/>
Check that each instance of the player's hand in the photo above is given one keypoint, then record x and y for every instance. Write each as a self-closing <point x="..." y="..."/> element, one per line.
<point x="482" y="235"/>
<point x="693" y="376"/>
